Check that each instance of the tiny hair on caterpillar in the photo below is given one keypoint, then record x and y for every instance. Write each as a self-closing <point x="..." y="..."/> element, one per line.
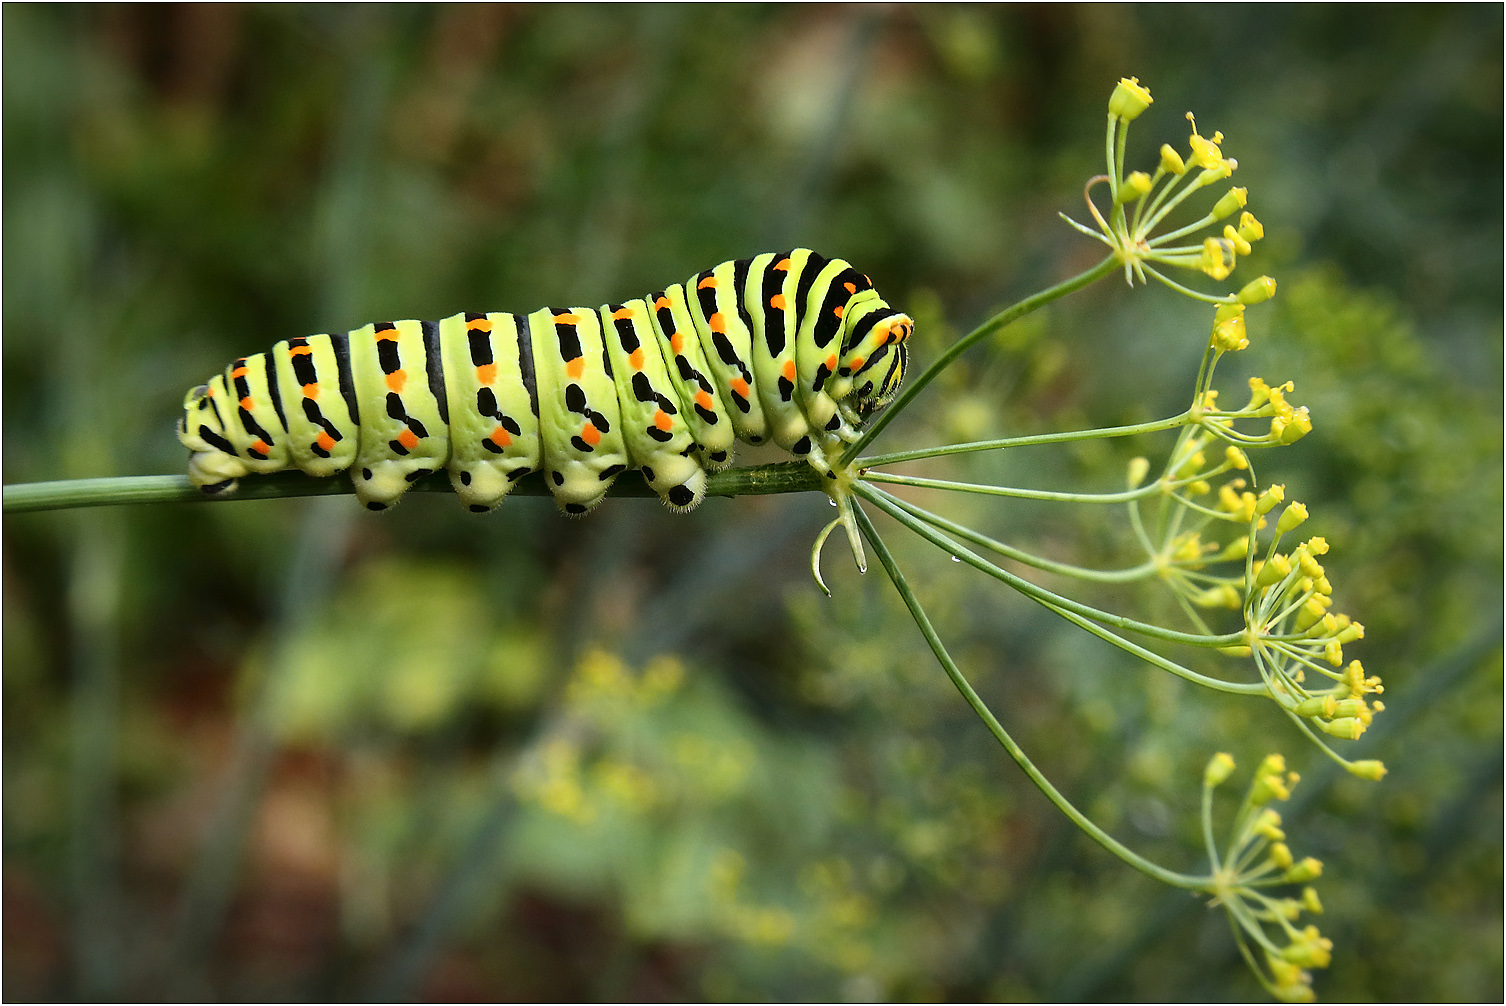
<point x="792" y="348"/>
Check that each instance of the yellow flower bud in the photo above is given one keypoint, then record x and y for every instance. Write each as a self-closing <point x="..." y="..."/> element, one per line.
<point x="1347" y="728"/>
<point x="1138" y="469"/>
<point x="1236" y="549"/>
<point x="1273" y="571"/>
<point x="1351" y="632"/>
<point x="1317" y="705"/>
<point x="1317" y="545"/>
<point x="1281" y="855"/>
<point x="1273" y="494"/>
<point x="1309" y="950"/>
<point x="1291" y="517"/>
<point x="1234" y="651"/>
<point x="1294" y="428"/>
<point x="1229" y="334"/>
<point x="1257" y="290"/>
<point x="1250" y="228"/>
<point x="1310" y="566"/>
<point x="1301" y="873"/>
<point x="1310" y="612"/>
<point x="1232" y="202"/>
<point x="1172" y="161"/>
<point x="1367" y="769"/>
<point x="1205" y="152"/>
<point x="1216" y="261"/>
<point x="1240" y="245"/>
<point x="1129" y="99"/>
<point x="1268" y="824"/>
<point x="1310" y="901"/>
<point x="1223" y="596"/>
<point x="1333" y="652"/>
<point x="1136" y="186"/>
<point x="1218" y="769"/>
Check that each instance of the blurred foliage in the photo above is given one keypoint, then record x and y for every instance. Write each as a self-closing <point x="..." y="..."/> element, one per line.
<point x="638" y="756"/>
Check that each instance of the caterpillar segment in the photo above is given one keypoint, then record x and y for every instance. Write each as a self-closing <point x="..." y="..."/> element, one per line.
<point x="787" y="347"/>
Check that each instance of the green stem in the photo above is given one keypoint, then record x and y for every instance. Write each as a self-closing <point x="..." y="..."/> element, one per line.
<point x="1029" y="494"/>
<point x="962" y="345"/>
<point x="1157" y="426"/>
<point x="972" y="698"/>
<point x="882" y="500"/>
<point x="783" y="477"/>
<point x="1020" y="555"/>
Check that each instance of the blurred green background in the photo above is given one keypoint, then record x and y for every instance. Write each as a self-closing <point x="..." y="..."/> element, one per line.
<point x="288" y="750"/>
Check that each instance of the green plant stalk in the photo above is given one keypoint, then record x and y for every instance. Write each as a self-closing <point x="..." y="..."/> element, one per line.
<point x="1020" y="555"/>
<point x="896" y="457"/>
<point x="923" y="622"/>
<point x="1005" y="317"/>
<point x="1029" y="494"/>
<point x="1149" y="656"/>
<point x="782" y="477"/>
<point x="1039" y="594"/>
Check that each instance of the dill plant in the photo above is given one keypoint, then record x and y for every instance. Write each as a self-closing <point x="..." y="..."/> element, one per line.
<point x="1210" y="536"/>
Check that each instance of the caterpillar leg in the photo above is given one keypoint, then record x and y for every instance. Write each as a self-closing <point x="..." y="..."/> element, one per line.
<point x="679" y="480"/>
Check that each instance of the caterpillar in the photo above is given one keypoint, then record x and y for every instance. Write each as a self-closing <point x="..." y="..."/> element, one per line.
<point x="792" y="348"/>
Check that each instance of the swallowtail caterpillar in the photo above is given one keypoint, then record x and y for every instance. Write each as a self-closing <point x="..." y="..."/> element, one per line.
<point x="790" y="347"/>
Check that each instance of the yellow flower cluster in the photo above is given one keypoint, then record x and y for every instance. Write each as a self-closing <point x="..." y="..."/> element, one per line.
<point x="1257" y="858"/>
<point x="1140" y="203"/>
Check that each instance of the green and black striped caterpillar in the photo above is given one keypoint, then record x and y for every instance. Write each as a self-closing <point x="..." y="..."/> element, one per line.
<point x="793" y="348"/>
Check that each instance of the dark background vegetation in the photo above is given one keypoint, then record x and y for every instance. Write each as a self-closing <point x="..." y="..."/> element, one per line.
<point x="285" y="750"/>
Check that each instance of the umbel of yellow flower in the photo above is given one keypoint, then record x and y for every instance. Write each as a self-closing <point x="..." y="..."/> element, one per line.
<point x="1141" y="202"/>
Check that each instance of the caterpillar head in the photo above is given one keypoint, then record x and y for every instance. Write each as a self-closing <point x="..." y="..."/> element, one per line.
<point x="874" y="354"/>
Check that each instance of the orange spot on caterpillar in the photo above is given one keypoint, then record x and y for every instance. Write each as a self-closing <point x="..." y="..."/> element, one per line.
<point x="777" y="302"/>
<point x="677" y="343"/>
<point x="838" y="310"/>
<point x="850" y="288"/>
<point x="576" y="366"/>
<point x="239" y="372"/>
<point x="209" y="391"/>
<point x="387" y="335"/>
<point x="247" y="403"/>
<point x="408" y="439"/>
<point x="709" y="281"/>
<point x="662" y="420"/>
<point x="703" y="399"/>
<point x="500" y="437"/>
<point x="831" y="363"/>
<point x="789" y="370"/>
<point x="717" y="323"/>
<point x="311" y="390"/>
<point x="636" y="358"/>
<point x="783" y="265"/>
<point x="567" y="319"/>
<point x="397" y="379"/>
<point x="740" y="386"/>
<point x="856" y="364"/>
<point x="479" y="325"/>
<point x="590" y="434"/>
<point x="661" y="303"/>
<point x="487" y="373"/>
<point x="301" y="351"/>
<point x="621" y="313"/>
<point x="325" y="441"/>
<point x="261" y="447"/>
